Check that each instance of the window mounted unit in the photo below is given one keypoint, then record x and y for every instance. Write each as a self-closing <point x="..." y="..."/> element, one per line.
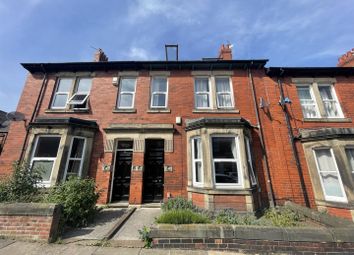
<point x="225" y="161"/>
<point x="76" y="157"/>
<point x="202" y="93"/>
<point x="223" y="92"/>
<point x="126" y="93"/>
<point x="331" y="182"/>
<point x="44" y="156"/>
<point x="197" y="161"/>
<point x="159" y="92"/>
<point x="307" y="101"/>
<point x="250" y="163"/>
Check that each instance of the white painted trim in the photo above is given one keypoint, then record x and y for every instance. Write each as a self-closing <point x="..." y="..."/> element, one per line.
<point x="154" y="93"/>
<point x="195" y="183"/>
<point x="209" y="93"/>
<point x="230" y="93"/>
<point x="334" y="94"/>
<point x="81" y="159"/>
<point x="120" y="92"/>
<point x="250" y="161"/>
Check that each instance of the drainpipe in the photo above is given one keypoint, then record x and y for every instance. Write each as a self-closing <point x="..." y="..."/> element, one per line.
<point x="292" y="140"/>
<point x="261" y="138"/>
<point x="35" y="111"/>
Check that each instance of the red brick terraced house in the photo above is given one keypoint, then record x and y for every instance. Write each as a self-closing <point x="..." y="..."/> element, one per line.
<point x="223" y="133"/>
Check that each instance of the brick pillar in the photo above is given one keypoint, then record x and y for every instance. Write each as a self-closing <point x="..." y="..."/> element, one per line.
<point x="136" y="179"/>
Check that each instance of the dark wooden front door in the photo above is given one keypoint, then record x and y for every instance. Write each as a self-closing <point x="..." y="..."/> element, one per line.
<point x="153" y="172"/>
<point x="122" y="170"/>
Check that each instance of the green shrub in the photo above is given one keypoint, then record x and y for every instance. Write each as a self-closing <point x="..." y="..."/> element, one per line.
<point x="182" y="216"/>
<point x="22" y="185"/>
<point x="144" y="235"/>
<point x="283" y="217"/>
<point x="78" y="197"/>
<point x="178" y="203"/>
<point x="228" y="216"/>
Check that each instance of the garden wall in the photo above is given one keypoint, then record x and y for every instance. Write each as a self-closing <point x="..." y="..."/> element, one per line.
<point x="255" y="238"/>
<point x="35" y="221"/>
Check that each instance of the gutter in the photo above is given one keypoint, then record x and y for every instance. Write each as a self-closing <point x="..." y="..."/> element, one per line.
<point x="292" y="142"/>
<point x="261" y="137"/>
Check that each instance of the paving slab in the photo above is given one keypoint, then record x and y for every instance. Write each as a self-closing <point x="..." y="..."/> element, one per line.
<point x="120" y="251"/>
<point x="5" y="242"/>
<point x="21" y="248"/>
<point x="97" y="230"/>
<point x="140" y="218"/>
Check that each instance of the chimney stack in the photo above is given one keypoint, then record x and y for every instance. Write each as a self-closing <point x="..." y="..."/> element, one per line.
<point x="225" y="52"/>
<point x="347" y="59"/>
<point x="100" y="56"/>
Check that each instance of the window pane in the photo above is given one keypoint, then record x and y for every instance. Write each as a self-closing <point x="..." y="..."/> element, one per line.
<point x="77" y="148"/>
<point x="325" y="160"/>
<point x="128" y="85"/>
<point x="197" y="148"/>
<point x="202" y="85"/>
<point x="222" y="84"/>
<point x="159" y="84"/>
<point x="47" y="147"/>
<point x="60" y="100"/>
<point x="326" y="92"/>
<point x="331" y="184"/>
<point x="224" y="100"/>
<point x="84" y="85"/>
<point x="331" y="108"/>
<point x="198" y="171"/>
<point x="202" y="101"/>
<point x="78" y="97"/>
<point x="125" y="145"/>
<point x="158" y="100"/>
<point x="73" y="168"/>
<point x="226" y="172"/>
<point x="65" y="85"/>
<point x="224" y="147"/>
<point x="125" y="100"/>
<point x="304" y="92"/>
<point x="45" y="167"/>
<point x="309" y="111"/>
<point x="350" y="156"/>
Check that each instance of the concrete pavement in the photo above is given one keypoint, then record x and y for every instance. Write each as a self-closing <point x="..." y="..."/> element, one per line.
<point x="11" y="247"/>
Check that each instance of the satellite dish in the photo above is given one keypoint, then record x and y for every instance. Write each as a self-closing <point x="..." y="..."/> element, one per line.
<point x="15" y="116"/>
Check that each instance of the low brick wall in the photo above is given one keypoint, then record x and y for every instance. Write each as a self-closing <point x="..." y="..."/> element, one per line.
<point x="257" y="239"/>
<point x="35" y="221"/>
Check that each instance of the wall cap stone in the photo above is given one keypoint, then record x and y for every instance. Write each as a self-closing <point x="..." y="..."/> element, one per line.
<point x="28" y="209"/>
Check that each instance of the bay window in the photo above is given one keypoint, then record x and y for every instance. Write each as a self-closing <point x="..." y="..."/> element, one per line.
<point x="197" y="162"/>
<point x="75" y="158"/>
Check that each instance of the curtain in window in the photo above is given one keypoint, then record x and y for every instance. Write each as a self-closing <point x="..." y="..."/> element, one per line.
<point x="328" y="173"/>
<point x="202" y="93"/>
<point x="350" y="156"/>
<point x="223" y="92"/>
<point x="330" y="104"/>
<point x="308" y="104"/>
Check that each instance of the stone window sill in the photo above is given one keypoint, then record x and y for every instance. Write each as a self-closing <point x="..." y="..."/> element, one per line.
<point x="331" y="120"/>
<point x="85" y="110"/>
<point x="217" y="191"/>
<point x="159" y="111"/>
<point x="216" y="111"/>
<point x="124" y="110"/>
<point x="345" y="205"/>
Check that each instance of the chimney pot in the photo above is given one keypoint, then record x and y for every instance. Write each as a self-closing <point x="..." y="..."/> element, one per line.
<point x="100" y="56"/>
<point x="225" y="52"/>
<point x="347" y="59"/>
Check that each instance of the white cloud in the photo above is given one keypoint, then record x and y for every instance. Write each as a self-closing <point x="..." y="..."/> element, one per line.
<point x="137" y="53"/>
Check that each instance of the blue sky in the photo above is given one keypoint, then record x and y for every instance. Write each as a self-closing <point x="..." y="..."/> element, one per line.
<point x="288" y="33"/>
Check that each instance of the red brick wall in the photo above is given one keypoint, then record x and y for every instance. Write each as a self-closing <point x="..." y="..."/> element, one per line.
<point x="198" y="200"/>
<point x="340" y="212"/>
<point x="236" y="202"/>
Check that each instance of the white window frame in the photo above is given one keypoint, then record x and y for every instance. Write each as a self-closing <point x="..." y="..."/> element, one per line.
<point x="335" y="99"/>
<point x="52" y="159"/>
<point x="62" y="93"/>
<point x="310" y="86"/>
<point x="228" y="93"/>
<point x="194" y="161"/>
<point x="202" y="93"/>
<point x="237" y="161"/>
<point x="251" y="171"/>
<point x="126" y="93"/>
<point x="330" y="198"/>
<point x="75" y="159"/>
<point x="75" y="102"/>
<point x="157" y="93"/>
